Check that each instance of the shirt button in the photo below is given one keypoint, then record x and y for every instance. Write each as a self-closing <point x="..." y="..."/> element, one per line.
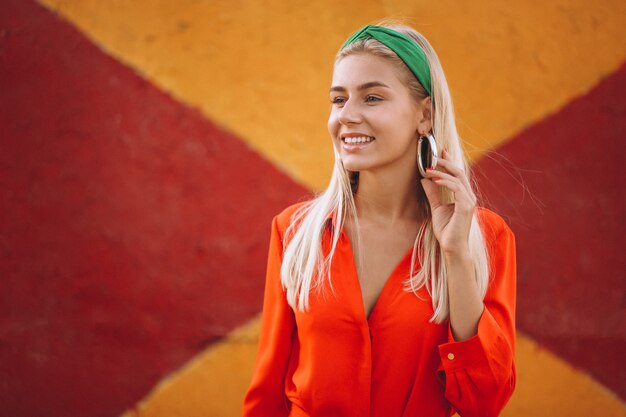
<point x="451" y="356"/>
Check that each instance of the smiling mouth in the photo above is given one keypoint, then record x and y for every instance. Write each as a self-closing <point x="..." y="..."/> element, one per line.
<point x="358" y="140"/>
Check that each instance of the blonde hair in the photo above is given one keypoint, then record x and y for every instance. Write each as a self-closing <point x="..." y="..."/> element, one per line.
<point x="304" y="265"/>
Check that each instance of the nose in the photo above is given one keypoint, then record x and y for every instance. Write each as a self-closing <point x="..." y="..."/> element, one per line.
<point x="349" y="113"/>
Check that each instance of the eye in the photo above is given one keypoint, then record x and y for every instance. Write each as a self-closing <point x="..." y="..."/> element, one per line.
<point x="368" y="99"/>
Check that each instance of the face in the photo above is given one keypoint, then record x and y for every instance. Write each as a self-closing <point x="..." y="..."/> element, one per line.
<point x="369" y="100"/>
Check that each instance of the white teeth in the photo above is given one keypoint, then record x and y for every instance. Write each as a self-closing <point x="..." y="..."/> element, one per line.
<point x="359" y="140"/>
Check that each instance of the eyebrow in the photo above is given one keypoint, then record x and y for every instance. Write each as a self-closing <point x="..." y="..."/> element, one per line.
<point x="361" y="87"/>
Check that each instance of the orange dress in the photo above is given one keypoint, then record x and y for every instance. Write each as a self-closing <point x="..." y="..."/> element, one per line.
<point x="334" y="361"/>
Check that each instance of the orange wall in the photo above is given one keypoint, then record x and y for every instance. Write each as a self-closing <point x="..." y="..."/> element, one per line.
<point x="147" y="146"/>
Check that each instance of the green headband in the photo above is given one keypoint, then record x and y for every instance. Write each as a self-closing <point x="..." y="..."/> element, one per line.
<point x="406" y="48"/>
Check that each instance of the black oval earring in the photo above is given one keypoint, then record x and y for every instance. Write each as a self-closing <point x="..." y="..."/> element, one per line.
<point x="426" y="153"/>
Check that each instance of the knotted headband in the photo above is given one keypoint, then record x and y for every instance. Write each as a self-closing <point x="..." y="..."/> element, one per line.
<point x="406" y="48"/>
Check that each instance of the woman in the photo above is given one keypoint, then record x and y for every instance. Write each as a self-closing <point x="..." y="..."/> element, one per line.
<point x="388" y="294"/>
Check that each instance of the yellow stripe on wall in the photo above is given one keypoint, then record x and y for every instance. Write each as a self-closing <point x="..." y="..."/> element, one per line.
<point x="214" y="384"/>
<point x="262" y="69"/>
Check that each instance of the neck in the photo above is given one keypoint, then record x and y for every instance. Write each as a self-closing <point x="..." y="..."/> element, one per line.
<point x="389" y="196"/>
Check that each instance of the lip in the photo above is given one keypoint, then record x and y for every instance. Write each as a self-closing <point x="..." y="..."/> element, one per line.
<point x="353" y="135"/>
<point x="354" y="146"/>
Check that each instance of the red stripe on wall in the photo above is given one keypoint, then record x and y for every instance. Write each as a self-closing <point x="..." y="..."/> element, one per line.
<point x="560" y="183"/>
<point x="133" y="232"/>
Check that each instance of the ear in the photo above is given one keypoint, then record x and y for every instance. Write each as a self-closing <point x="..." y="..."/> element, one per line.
<point x="424" y="116"/>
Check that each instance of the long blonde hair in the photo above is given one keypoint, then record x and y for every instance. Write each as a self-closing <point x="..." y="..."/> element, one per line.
<point x="304" y="265"/>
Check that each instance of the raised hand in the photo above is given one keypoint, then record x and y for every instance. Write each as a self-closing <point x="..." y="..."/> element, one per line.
<point x="451" y="222"/>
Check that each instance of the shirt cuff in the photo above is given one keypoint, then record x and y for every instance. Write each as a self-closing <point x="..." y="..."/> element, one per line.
<point x="473" y="351"/>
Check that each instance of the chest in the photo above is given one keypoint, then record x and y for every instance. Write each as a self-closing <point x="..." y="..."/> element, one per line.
<point x="376" y="257"/>
<point x="371" y="297"/>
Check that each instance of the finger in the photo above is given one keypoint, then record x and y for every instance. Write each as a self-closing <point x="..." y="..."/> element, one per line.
<point x="438" y="175"/>
<point x="448" y="165"/>
<point x="434" y="173"/>
<point x="454" y="170"/>
<point x="450" y="181"/>
<point x="464" y="196"/>
<point x="452" y="185"/>
<point x="462" y="199"/>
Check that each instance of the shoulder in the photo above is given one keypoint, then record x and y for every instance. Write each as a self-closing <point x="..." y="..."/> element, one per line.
<point x="492" y="224"/>
<point x="285" y="217"/>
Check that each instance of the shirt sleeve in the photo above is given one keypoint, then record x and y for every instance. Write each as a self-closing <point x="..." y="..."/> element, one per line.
<point x="266" y="395"/>
<point x="479" y="373"/>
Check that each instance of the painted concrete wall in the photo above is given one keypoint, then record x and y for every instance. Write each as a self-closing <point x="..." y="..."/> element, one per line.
<point x="145" y="147"/>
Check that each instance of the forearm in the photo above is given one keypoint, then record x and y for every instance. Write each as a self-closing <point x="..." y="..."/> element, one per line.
<point x="466" y="306"/>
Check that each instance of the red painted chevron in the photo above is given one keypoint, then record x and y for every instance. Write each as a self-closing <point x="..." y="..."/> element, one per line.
<point x="559" y="183"/>
<point x="133" y="232"/>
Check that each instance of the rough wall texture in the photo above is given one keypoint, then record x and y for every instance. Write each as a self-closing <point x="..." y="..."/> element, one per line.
<point x="144" y="152"/>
